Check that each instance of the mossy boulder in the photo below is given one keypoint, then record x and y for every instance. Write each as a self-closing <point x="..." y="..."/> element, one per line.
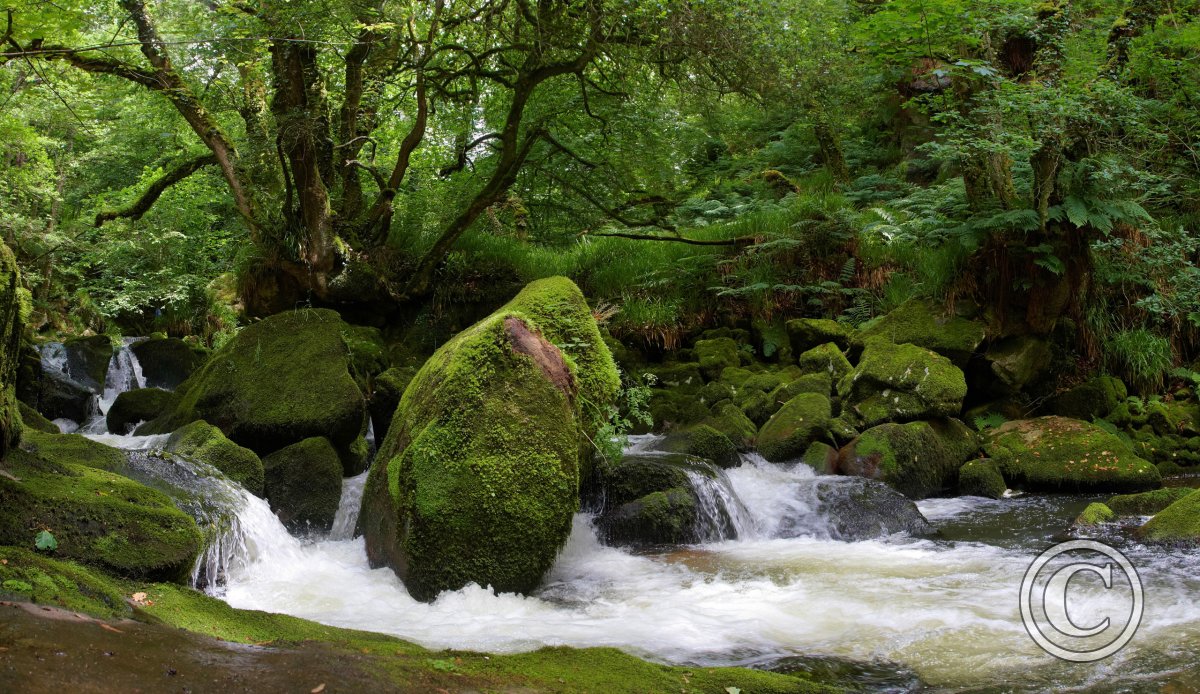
<point x="303" y="483"/>
<point x="729" y="419"/>
<point x="901" y="383"/>
<point x="1147" y="503"/>
<point x="788" y="433"/>
<point x="825" y="359"/>
<point x="205" y="443"/>
<point x="716" y="354"/>
<point x="31" y="577"/>
<point x="1177" y="523"/>
<point x="387" y="389"/>
<point x="168" y="361"/>
<point x="32" y="419"/>
<point x="139" y="405"/>
<point x="97" y="517"/>
<point x="279" y="381"/>
<point x="635" y="476"/>
<point x="87" y="360"/>
<point x="1017" y="362"/>
<point x="919" y="459"/>
<point x="821" y="457"/>
<point x="1095" y="514"/>
<point x="705" y="442"/>
<point x="1061" y="454"/>
<point x="734" y="376"/>
<point x="1096" y="398"/>
<point x="806" y="333"/>
<point x="772" y="340"/>
<point x="685" y="375"/>
<point x="926" y="324"/>
<point x="659" y="518"/>
<point x="675" y="407"/>
<point x="15" y="306"/>
<point x="981" y="478"/>
<point x="74" y="449"/>
<point x="478" y="478"/>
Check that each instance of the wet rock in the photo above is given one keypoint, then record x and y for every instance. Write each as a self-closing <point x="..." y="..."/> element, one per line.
<point x="303" y="483"/>
<point x="87" y="360"/>
<point x="919" y="459"/>
<point x="1147" y="503"/>
<point x="901" y="383"/>
<point x="385" y="397"/>
<point x="205" y="443"/>
<point x="981" y="478"/>
<point x="138" y="405"/>
<point x="853" y="509"/>
<point x="167" y="362"/>
<point x="659" y="518"/>
<point x="705" y="442"/>
<point x="1177" y="523"/>
<point x="788" y="433"/>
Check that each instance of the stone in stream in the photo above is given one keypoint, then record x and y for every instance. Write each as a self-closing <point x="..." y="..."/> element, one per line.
<point x="303" y="483"/>
<point x="87" y="360"/>
<point x="138" y="405"/>
<point x="168" y="361"/>
<point x="852" y="509"/>
<point x="205" y="443"/>
<point x="477" y="480"/>
<point x="919" y="459"/>
<point x="1178" y="523"/>
<point x="901" y="383"/>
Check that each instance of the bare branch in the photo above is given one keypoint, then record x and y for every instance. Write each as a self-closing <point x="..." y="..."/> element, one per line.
<point x="156" y="189"/>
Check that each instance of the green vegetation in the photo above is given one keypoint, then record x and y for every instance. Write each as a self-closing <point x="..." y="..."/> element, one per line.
<point x="205" y="443"/>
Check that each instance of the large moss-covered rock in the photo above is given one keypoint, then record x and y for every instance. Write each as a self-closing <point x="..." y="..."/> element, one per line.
<point x="1147" y="503"/>
<point x="303" y="483"/>
<point x="705" y="442"/>
<point x="58" y="396"/>
<point x="32" y="419"/>
<point x="806" y="333"/>
<point x="14" y="311"/>
<point x="901" y="383"/>
<point x="1017" y="362"/>
<point x="981" y="478"/>
<point x="204" y="442"/>
<point x="1179" y="522"/>
<point x="1060" y="454"/>
<point x="659" y="518"/>
<point x="716" y="354"/>
<point x="31" y="577"/>
<point x="385" y="397"/>
<point x="1095" y="398"/>
<point x="821" y="457"/>
<point x="1095" y="514"/>
<point x="281" y="380"/>
<point x="74" y="449"/>
<point x="139" y="405"/>
<point x="96" y="517"/>
<point x="167" y="361"/>
<point x="919" y="459"/>
<point x="788" y="433"/>
<point x="477" y="480"/>
<point x="925" y="324"/>
<point x="87" y="360"/>
<point x="729" y="419"/>
<point x="826" y="359"/>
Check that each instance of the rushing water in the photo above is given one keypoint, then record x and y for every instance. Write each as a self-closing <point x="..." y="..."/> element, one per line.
<point x="945" y="609"/>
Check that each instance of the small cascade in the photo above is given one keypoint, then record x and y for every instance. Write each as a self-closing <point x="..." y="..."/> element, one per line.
<point x="722" y="515"/>
<point x="124" y="374"/>
<point x="54" y="358"/>
<point x="347" y="513"/>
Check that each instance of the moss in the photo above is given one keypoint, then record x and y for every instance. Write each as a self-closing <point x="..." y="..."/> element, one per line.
<point x="806" y="333"/>
<point x="368" y="353"/>
<point x="1179" y="522"/>
<point x="87" y="360"/>
<point x="1095" y="514"/>
<point x="671" y="407"/>
<point x="1017" y="362"/>
<point x="788" y="433"/>
<point x="1147" y="503"/>
<point x="32" y="577"/>
<point x="1095" y="398"/>
<point x="825" y="359"/>
<point x="809" y="383"/>
<point x="925" y="324"/>
<point x="902" y="383"/>
<point x="734" y="376"/>
<point x="821" y="457"/>
<point x="981" y="478"/>
<point x="140" y="405"/>
<point x="204" y="442"/>
<point x="355" y="458"/>
<point x="279" y="381"/>
<point x="558" y="669"/>
<point x="763" y="382"/>
<point x="705" y="442"/>
<point x="918" y="459"/>
<point x="167" y="362"/>
<point x="303" y="482"/>
<point x="716" y="354"/>
<point x="728" y="419"/>
<point x="1060" y="454"/>
<point x="684" y="375"/>
<point x="97" y="517"/>
<point x="477" y="479"/>
<point x="636" y="476"/>
<point x="772" y="340"/>
<point x="14" y="311"/>
<point x="387" y="388"/>
<point x="32" y="419"/>
<point x="659" y="518"/>
<point x="74" y="449"/>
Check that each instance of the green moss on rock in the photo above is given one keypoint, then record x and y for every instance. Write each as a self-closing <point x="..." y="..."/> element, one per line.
<point x="806" y="333"/>
<point x="716" y="354"/>
<point x="825" y="359"/>
<point x="98" y="518"/>
<point x="167" y="362"/>
<point x="729" y="419"/>
<point x="204" y="442"/>
<point x="387" y="389"/>
<point x="1179" y="522"/>
<point x="981" y="478"/>
<point x="303" y="483"/>
<point x="1095" y="398"/>
<point x="705" y="442"/>
<point x="74" y="449"/>
<point x="140" y="405"/>
<point x="659" y="518"/>
<point x="925" y="324"/>
<point x="478" y="477"/>
<point x="281" y="380"/>
<point x="14" y="311"/>
<point x="1147" y="503"/>
<point x="900" y="383"/>
<point x="32" y="419"/>
<point x="788" y="433"/>
<point x="27" y="576"/>
<point x="1061" y="454"/>
<point x="1018" y="362"/>
<point x="1095" y="514"/>
<point x="918" y="459"/>
<point x="821" y="457"/>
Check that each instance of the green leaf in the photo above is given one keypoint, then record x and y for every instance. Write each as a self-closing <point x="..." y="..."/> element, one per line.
<point x="45" y="541"/>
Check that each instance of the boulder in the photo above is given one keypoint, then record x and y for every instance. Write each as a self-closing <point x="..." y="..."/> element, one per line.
<point x="478" y="478"/>
<point x="981" y="478"/>
<point x="136" y="406"/>
<point x="32" y="419"/>
<point x="385" y="397"/>
<point x="925" y="324"/>
<point x="821" y="457"/>
<point x="788" y="433"/>
<point x="303" y="483"/>
<point x="716" y="354"/>
<point x="279" y="381"/>
<point x="1147" y="503"/>
<point x="659" y="518"/>
<point x="806" y="333"/>
<point x="96" y="517"/>
<point x="167" y="362"/>
<point x="825" y="359"/>
<point x="60" y="397"/>
<point x="901" y="383"/>
<point x="1177" y="523"/>
<point x="852" y="509"/>
<point x="919" y="459"/>
<point x="1017" y="362"/>
<point x="1095" y="514"/>
<point x="74" y="449"/>
<point x="87" y="360"/>
<point x="1094" y="399"/>
<point x="205" y="443"/>
<point x="729" y="419"/>
<point x="1061" y="454"/>
<point x="705" y="442"/>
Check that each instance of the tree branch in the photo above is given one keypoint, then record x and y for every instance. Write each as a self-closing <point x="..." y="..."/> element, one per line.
<point x="740" y="241"/>
<point x="157" y="188"/>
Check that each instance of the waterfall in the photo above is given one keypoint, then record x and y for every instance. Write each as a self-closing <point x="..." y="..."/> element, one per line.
<point x="722" y="515"/>
<point x="54" y="358"/>
<point x="347" y="513"/>
<point x="124" y="374"/>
